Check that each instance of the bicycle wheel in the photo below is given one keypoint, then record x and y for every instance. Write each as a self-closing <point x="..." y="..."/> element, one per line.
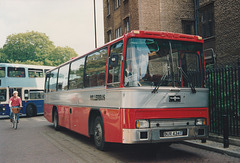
<point x="15" y="121"/>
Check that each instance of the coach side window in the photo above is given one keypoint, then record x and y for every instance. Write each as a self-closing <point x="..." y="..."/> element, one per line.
<point x="53" y="81"/>
<point x="76" y="74"/>
<point x="63" y="78"/>
<point x="114" y="64"/>
<point x="95" y="68"/>
<point x="47" y="82"/>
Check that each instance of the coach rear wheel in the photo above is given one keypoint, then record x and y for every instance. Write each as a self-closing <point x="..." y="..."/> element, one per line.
<point x="99" y="134"/>
<point x="55" y="120"/>
<point x="31" y="111"/>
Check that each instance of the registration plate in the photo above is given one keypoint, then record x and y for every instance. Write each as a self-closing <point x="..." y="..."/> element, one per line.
<point x="172" y="133"/>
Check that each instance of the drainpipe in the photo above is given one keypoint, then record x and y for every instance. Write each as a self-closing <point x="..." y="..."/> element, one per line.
<point x="196" y="6"/>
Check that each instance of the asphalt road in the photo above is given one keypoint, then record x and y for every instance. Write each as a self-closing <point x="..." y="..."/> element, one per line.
<point x="35" y="140"/>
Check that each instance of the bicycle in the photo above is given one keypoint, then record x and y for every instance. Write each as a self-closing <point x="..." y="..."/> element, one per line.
<point x="15" y="111"/>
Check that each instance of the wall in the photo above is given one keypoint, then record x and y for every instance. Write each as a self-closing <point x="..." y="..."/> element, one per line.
<point x="227" y="29"/>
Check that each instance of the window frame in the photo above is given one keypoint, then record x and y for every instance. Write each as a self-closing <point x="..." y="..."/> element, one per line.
<point x="70" y="69"/>
<point x="22" y="69"/>
<point x="3" y="69"/>
<point x="207" y="21"/>
<point x="117" y="4"/>
<point x="120" y="59"/>
<point x="87" y="81"/>
<point x="35" y="70"/>
<point x="64" y="76"/>
<point x="50" y="77"/>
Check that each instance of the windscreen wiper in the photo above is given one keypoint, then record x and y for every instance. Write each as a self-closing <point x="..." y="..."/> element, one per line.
<point x="188" y="80"/>
<point x="159" y="83"/>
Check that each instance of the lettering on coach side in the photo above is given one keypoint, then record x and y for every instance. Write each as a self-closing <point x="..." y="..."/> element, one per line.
<point x="97" y="97"/>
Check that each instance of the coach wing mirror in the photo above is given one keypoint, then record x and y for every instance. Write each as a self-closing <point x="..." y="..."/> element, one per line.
<point x="113" y="61"/>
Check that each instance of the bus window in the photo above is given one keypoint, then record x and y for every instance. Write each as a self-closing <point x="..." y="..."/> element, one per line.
<point x="63" y="78"/>
<point x="114" y="64"/>
<point x="53" y="81"/>
<point x="95" y="68"/>
<point x="36" y="94"/>
<point x="11" y="90"/>
<point x="2" y="72"/>
<point x="3" y="94"/>
<point x="26" y="94"/>
<point x="35" y="73"/>
<point x="76" y="74"/>
<point x="16" y="72"/>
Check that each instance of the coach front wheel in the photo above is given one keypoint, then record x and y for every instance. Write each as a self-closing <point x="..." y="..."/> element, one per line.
<point x="99" y="134"/>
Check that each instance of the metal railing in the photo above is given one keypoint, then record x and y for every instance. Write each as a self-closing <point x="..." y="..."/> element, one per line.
<point x="224" y="98"/>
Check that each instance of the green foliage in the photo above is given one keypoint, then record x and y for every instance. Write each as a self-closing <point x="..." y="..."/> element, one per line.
<point x="34" y="48"/>
<point x="3" y="56"/>
<point x="60" y="55"/>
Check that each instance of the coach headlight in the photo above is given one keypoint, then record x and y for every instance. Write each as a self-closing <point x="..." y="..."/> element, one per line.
<point x="142" y="123"/>
<point x="201" y="121"/>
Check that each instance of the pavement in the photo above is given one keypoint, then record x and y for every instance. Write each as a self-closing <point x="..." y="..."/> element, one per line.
<point x="215" y="143"/>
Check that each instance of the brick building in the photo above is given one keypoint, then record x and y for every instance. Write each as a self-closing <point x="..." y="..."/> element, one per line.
<point x="217" y="21"/>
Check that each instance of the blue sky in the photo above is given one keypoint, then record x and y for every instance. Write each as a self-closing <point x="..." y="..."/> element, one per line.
<point x="65" y="22"/>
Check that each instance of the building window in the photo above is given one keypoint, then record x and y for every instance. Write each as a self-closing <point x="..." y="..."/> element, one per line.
<point x="188" y="27"/>
<point x="118" y="32"/>
<point x="109" y="35"/>
<point x="206" y="16"/>
<point x="108" y="7"/>
<point x="117" y="4"/>
<point x="126" y="24"/>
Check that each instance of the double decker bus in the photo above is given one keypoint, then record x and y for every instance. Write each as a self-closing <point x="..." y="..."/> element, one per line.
<point x="144" y="87"/>
<point x="28" y="80"/>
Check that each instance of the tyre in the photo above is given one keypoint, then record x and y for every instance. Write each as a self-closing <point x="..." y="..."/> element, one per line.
<point x="31" y="111"/>
<point x="99" y="134"/>
<point x="16" y="125"/>
<point x="12" y="123"/>
<point x="55" y="120"/>
<point x="15" y="121"/>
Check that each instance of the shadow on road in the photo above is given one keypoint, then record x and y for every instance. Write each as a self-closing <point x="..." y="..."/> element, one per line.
<point x="136" y="152"/>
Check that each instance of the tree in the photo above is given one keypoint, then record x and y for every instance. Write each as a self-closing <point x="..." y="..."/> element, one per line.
<point x="32" y="46"/>
<point x="3" y="56"/>
<point x="60" y="55"/>
<point x="35" y="48"/>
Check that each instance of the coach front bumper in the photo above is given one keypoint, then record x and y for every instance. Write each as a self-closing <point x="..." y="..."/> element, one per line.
<point x="168" y="134"/>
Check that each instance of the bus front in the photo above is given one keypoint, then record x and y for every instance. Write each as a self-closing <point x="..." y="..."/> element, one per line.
<point x="164" y="94"/>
